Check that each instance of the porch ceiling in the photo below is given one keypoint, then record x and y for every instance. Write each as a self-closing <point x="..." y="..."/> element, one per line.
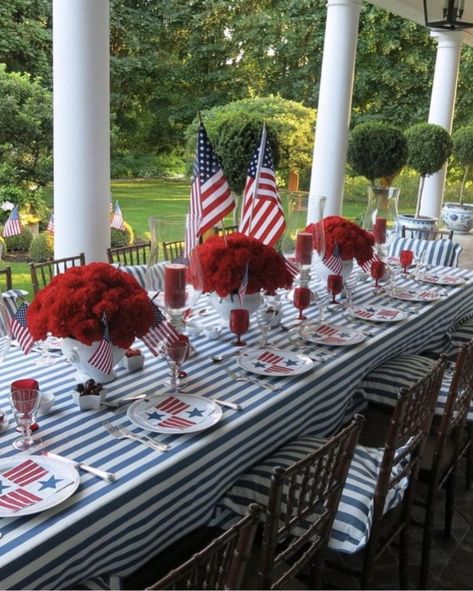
<point x="414" y="11"/>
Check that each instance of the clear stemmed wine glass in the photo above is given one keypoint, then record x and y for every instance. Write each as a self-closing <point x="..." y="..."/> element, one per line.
<point x="265" y="317"/>
<point x="176" y="353"/>
<point x="334" y="286"/>
<point x="349" y="286"/>
<point x="25" y="404"/>
<point x="44" y="346"/>
<point x="239" y="324"/>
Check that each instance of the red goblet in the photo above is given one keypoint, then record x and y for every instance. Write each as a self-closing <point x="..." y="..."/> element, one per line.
<point x="405" y="258"/>
<point x="302" y="298"/>
<point x="239" y="324"/>
<point x="335" y="286"/>
<point x="378" y="269"/>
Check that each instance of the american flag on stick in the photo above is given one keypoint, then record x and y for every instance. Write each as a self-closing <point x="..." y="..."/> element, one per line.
<point x="262" y="215"/>
<point x="334" y="262"/>
<point x="20" y="330"/>
<point x="117" y="220"/>
<point x="244" y="284"/>
<point x="102" y="358"/>
<point x="161" y="331"/>
<point x="211" y="198"/>
<point x="12" y="225"/>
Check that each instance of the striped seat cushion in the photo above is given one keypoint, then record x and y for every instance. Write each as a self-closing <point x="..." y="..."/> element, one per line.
<point x="151" y="278"/>
<point x="461" y="334"/>
<point x="351" y="527"/>
<point x="444" y="253"/>
<point x="383" y="383"/>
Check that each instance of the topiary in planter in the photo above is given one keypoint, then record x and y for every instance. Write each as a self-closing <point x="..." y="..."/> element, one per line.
<point x="21" y="242"/>
<point x="463" y="152"/>
<point x="42" y="247"/>
<point x="429" y="146"/>
<point x="122" y="237"/>
<point x="377" y="150"/>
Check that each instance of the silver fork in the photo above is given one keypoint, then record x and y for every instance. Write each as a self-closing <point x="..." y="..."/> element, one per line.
<point x="124" y="433"/>
<point x="241" y="378"/>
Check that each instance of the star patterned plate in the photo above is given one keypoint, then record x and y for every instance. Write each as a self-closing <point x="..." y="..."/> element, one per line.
<point x="377" y="313"/>
<point x="329" y="334"/>
<point x="31" y="484"/>
<point x="441" y="279"/>
<point x="416" y="295"/>
<point x="175" y="413"/>
<point x="274" y="362"/>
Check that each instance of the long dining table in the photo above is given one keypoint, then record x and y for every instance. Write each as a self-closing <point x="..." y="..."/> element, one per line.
<point x="158" y="497"/>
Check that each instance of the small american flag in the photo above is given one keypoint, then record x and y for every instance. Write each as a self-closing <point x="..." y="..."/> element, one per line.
<point x="117" y="220"/>
<point x="12" y="226"/>
<point x="262" y="215"/>
<point x="102" y="357"/>
<point x="161" y="331"/>
<point x="50" y="227"/>
<point x="334" y="262"/>
<point x="211" y="198"/>
<point x="244" y="284"/>
<point x="20" y="330"/>
<point x="291" y="266"/>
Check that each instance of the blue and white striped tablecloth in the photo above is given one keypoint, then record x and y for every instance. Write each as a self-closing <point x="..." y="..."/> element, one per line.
<point x="158" y="497"/>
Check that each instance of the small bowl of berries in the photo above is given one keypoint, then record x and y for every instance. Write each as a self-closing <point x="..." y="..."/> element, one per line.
<point x="133" y="360"/>
<point x="90" y="395"/>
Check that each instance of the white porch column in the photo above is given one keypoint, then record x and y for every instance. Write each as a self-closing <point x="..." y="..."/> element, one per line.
<point x="442" y="106"/>
<point x="81" y="128"/>
<point x="333" y="111"/>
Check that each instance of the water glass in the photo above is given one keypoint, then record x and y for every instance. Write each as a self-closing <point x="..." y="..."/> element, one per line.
<point x="239" y="324"/>
<point x="176" y="353"/>
<point x="378" y="269"/>
<point x="25" y="404"/>
<point x="302" y="299"/>
<point x="334" y="286"/>
<point x="405" y="258"/>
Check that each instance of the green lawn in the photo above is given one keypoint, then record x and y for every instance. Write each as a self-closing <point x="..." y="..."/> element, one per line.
<point x="167" y="199"/>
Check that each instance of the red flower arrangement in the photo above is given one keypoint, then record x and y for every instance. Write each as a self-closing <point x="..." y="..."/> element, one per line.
<point x="74" y="303"/>
<point x="353" y="242"/>
<point x="223" y="263"/>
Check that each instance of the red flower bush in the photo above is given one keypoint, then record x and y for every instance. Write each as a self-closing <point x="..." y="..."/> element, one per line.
<point x="223" y="265"/>
<point x="74" y="303"/>
<point x="353" y="242"/>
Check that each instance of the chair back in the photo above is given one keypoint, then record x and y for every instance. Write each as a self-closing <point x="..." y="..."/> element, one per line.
<point x="6" y="273"/>
<point x="406" y="437"/>
<point x="43" y="273"/>
<point x="434" y="252"/>
<point x="222" y="564"/>
<point x="173" y="250"/>
<point x="219" y="231"/>
<point x="311" y="487"/>
<point x="136" y="254"/>
<point x="426" y="234"/>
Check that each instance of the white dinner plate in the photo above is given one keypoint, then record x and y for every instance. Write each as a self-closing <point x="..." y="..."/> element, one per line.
<point x="51" y="482"/>
<point x="378" y="313"/>
<point x="330" y="334"/>
<point x="270" y="361"/>
<point x="416" y="295"/>
<point x="175" y="413"/>
<point x="441" y="279"/>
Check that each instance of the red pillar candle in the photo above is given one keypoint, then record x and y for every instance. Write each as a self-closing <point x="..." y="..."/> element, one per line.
<point x="379" y="230"/>
<point x="175" y="285"/>
<point x="304" y="247"/>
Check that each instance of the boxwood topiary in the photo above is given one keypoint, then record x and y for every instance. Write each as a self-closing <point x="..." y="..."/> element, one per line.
<point x="463" y="152"/>
<point x="42" y="247"/>
<point x="122" y="237"/>
<point x="21" y="242"/>
<point x="377" y="150"/>
<point x="429" y="146"/>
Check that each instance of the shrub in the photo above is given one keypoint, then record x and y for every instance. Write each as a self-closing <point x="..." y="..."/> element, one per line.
<point x="122" y="237"/>
<point x="20" y="243"/>
<point x="463" y="152"/>
<point x="429" y="146"/>
<point x="377" y="151"/>
<point x="42" y="247"/>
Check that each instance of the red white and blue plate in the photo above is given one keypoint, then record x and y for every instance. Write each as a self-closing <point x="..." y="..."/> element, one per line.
<point x="174" y="413"/>
<point x="441" y="279"/>
<point x="416" y="295"/>
<point x="31" y="484"/>
<point x="274" y="362"/>
<point x="329" y="334"/>
<point x="378" y="313"/>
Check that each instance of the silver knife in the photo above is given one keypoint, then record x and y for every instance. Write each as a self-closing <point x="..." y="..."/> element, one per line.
<point x="108" y="476"/>
<point x="115" y="404"/>
<point x="232" y="405"/>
